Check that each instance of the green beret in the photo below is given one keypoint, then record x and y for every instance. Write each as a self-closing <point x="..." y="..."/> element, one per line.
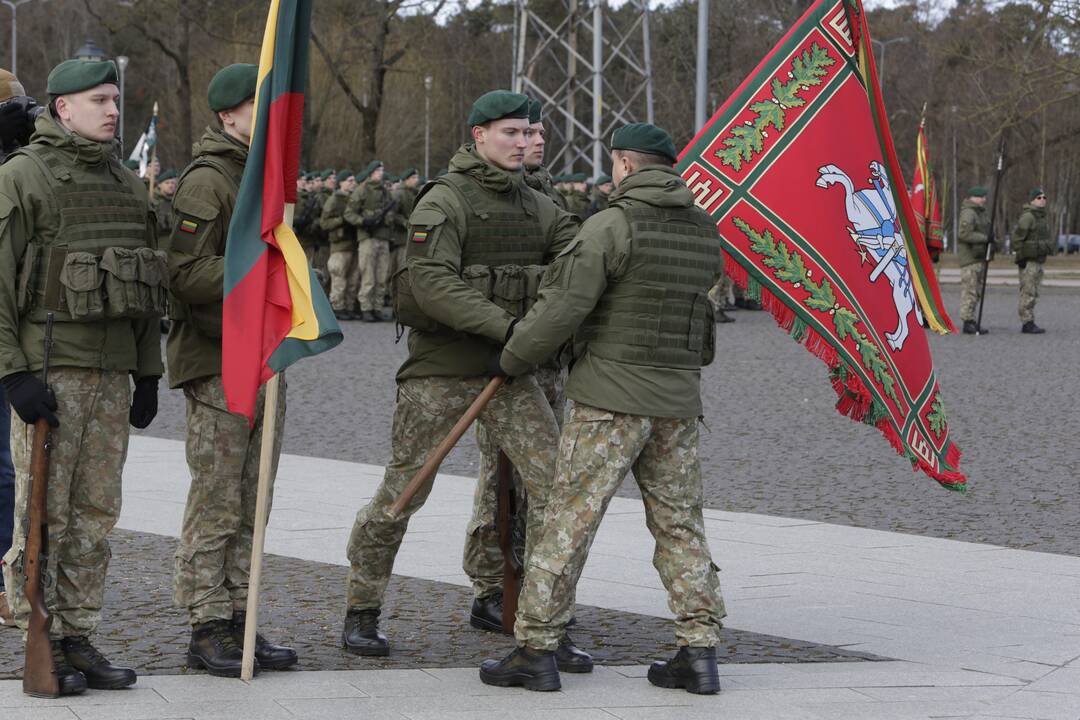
<point x="408" y="173"/>
<point x="326" y="173"/>
<point x="579" y="177"/>
<point x="343" y="175"/>
<point x="977" y="191"/>
<point x="646" y="138"/>
<point x="167" y="175"/>
<point x="535" y="111"/>
<point x="603" y="180"/>
<point x="366" y="172"/>
<point x="231" y="86"/>
<point x="1035" y="192"/>
<point x="499" y="104"/>
<point x="72" y="76"/>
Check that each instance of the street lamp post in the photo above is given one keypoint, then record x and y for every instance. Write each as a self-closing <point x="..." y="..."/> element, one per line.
<point x="427" y="126"/>
<point x="881" y="65"/>
<point x="121" y="64"/>
<point x="13" y="4"/>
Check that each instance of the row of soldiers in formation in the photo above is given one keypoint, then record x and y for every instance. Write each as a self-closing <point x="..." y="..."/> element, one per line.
<point x="629" y="285"/>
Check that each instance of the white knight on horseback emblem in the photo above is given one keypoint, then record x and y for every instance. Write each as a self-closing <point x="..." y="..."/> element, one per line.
<point x="878" y="238"/>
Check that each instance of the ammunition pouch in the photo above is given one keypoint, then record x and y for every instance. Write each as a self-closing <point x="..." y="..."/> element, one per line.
<point x="82" y="286"/>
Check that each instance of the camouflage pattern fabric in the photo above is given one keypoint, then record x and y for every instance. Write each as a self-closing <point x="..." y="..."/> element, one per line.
<point x="213" y="560"/>
<point x="721" y="293"/>
<point x="373" y="259"/>
<point x="519" y="419"/>
<point x="971" y="277"/>
<point x="482" y="558"/>
<point x="598" y="448"/>
<point x="1031" y="277"/>
<point x="86" y="462"/>
<point x="344" y="280"/>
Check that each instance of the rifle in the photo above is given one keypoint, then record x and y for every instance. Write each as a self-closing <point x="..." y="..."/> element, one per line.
<point x="990" y="232"/>
<point x="504" y="521"/>
<point x="39" y="671"/>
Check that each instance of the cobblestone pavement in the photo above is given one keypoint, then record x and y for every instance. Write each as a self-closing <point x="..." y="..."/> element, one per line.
<point x="775" y="446"/>
<point x="427" y="622"/>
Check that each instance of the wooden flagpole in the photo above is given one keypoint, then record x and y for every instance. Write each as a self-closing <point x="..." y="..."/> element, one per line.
<point x="262" y="497"/>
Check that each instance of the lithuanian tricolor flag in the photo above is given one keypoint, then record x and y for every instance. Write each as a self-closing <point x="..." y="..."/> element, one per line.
<point x="275" y="310"/>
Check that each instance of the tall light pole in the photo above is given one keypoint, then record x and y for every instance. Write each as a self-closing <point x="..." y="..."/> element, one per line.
<point x="122" y="63"/>
<point x="702" y="63"/>
<point x="427" y="127"/>
<point x="13" y="4"/>
<point x="881" y="65"/>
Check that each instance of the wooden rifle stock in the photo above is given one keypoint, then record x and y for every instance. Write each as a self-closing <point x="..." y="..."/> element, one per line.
<point x="39" y="671"/>
<point x="431" y="465"/>
<point x="504" y="521"/>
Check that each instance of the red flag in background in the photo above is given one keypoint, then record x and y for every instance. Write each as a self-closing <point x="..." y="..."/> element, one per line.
<point x="799" y="171"/>
<point x="924" y="198"/>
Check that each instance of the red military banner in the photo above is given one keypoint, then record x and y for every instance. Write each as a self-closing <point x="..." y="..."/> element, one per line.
<point x="924" y="199"/>
<point x="799" y="172"/>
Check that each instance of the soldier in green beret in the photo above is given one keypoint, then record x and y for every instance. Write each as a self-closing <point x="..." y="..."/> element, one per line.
<point x="601" y="190"/>
<point x="214" y="555"/>
<point x="974" y="226"/>
<point x="577" y="196"/>
<point x="73" y="220"/>
<point x="371" y="211"/>
<point x="643" y="264"/>
<point x="342" y="266"/>
<point x="479" y="238"/>
<point x="1032" y="244"/>
<point x="482" y="556"/>
<point x="162" y="201"/>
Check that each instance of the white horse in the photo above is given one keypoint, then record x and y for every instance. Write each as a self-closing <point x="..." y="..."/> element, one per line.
<point x="872" y="214"/>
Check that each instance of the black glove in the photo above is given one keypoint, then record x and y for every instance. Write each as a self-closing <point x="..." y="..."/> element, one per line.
<point x="495" y="369"/>
<point x="1022" y="264"/>
<point x="144" y="402"/>
<point x="30" y="398"/>
<point x="17" y="121"/>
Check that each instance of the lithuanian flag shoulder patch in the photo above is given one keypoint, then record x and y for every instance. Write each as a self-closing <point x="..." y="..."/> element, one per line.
<point x="189" y="226"/>
<point x="419" y="236"/>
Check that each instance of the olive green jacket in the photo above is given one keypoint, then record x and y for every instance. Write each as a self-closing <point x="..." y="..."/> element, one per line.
<point x="578" y="203"/>
<point x="1031" y="238"/>
<point x="574" y="284"/>
<point x="406" y="197"/>
<point x="342" y="237"/>
<point x="476" y="327"/>
<point x="371" y="199"/>
<point x="123" y="345"/>
<point x="972" y="234"/>
<point x="164" y="212"/>
<point x="540" y="180"/>
<point x="599" y="202"/>
<point x="203" y="204"/>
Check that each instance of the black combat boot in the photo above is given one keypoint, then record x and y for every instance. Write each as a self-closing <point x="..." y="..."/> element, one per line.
<point x="525" y="667"/>
<point x="570" y="658"/>
<point x="214" y="648"/>
<point x="100" y="674"/>
<point x="362" y="636"/>
<point x="70" y="680"/>
<point x="692" y="668"/>
<point x="368" y="316"/>
<point x="1030" y="328"/>
<point x="722" y="317"/>
<point x="269" y="655"/>
<point x="970" y="328"/>
<point x="487" y="613"/>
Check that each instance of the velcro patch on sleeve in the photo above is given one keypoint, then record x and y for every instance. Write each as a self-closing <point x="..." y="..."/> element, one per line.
<point x="189" y="226"/>
<point x="419" y="236"/>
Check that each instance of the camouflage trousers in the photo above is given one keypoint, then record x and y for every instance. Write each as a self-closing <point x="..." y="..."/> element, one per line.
<point x="597" y="449"/>
<point x="373" y="258"/>
<point x="482" y="559"/>
<point x="518" y="418"/>
<point x="344" y="280"/>
<point x="213" y="560"/>
<point x="1031" y="277"/>
<point x="721" y="293"/>
<point x="85" y="467"/>
<point x="971" y="279"/>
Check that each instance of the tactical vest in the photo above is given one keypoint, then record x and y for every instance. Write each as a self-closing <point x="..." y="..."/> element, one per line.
<point x="98" y="265"/>
<point x="502" y="254"/>
<point x="658" y="313"/>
